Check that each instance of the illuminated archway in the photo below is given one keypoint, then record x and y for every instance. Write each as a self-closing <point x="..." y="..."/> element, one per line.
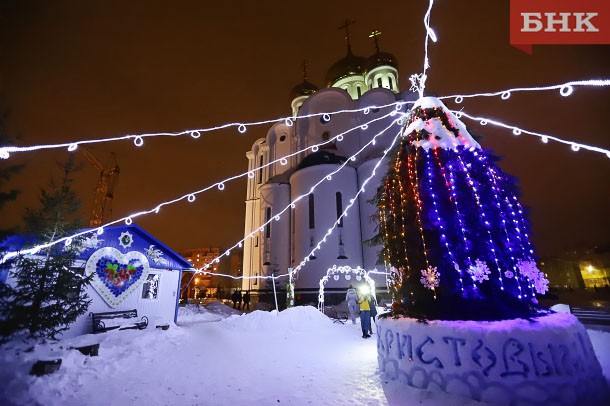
<point x="346" y="271"/>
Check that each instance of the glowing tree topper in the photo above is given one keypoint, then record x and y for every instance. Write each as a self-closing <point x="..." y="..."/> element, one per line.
<point x="452" y="226"/>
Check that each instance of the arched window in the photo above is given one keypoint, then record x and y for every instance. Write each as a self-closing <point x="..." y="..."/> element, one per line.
<point x="379" y="82"/>
<point x="312" y="221"/>
<point x="260" y="170"/>
<point x="339" y="201"/>
<point x="359" y="91"/>
<point x="391" y="83"/>
<point x="267" y="220"/>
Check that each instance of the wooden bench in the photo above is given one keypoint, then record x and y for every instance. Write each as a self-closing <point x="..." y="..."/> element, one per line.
<point x="100" y="327"/>
<point x="336" y="317"/>
<point x="591" y="315"/>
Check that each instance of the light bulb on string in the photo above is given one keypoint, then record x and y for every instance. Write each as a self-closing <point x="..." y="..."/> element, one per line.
<point x="544" y="137"/>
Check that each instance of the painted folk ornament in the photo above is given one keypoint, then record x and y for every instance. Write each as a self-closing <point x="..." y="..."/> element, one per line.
<point x="116" y="275"/>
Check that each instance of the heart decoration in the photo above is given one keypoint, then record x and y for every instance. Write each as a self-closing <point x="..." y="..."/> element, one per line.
<point x="116" y="275"/>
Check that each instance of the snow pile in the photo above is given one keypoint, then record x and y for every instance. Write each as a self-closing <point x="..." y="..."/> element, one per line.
<point x="300" y="318"/>
<point x="296" y="357"/>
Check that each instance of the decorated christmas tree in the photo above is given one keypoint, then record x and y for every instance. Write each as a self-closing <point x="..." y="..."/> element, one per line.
<point x="453" y="231"/>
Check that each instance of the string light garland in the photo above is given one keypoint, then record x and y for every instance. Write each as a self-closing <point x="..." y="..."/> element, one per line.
<point x="565" y="89"/>
<point x="291" y="205"/>
<point x="328" y="177"/>
<point x="418" y="81"/>
<point x="191" y="196"/>
<point x="351" y="203"/>
<point x="545" y="138"/>
<point x="138" y="139"/>
<point x="429" y="35"/>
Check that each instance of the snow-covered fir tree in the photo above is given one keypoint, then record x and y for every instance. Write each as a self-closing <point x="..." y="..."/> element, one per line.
<point x="48" y="293"/>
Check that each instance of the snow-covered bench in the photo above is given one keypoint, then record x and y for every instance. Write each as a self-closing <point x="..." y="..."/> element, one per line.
<point x="129" y="321"/>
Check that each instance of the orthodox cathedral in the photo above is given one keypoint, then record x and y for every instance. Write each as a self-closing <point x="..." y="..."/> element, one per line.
<point x="352" y="83"/>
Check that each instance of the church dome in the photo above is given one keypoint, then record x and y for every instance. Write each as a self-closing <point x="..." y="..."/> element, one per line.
<point x="304" y="88"/>
<point x="381" y="59"/>
<point x="320" y="158"/>
<point x="351" y="65"/>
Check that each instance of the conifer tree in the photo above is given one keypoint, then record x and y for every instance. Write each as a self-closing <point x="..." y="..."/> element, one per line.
<point x="7" y="171"/>
<point x="453" y="231"/>
<point x="48" y="294"/>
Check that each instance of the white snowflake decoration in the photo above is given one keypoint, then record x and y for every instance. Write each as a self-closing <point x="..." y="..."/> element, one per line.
<point x="126" y="239"/>
<point x="529" y="269"/>
<point x="509" y="274"/>
<point x="417" y="82"/>
<point x="479" y="271"/>
<point x="430" y="278"/>
<point x="154" y="254"/>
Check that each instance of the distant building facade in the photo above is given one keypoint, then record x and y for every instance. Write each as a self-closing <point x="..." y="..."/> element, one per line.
<point x="579" y="268"/>
<point x="198" y="286"/>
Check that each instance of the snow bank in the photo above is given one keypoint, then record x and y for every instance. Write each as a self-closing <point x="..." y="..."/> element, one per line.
<point x="299" y="318"/>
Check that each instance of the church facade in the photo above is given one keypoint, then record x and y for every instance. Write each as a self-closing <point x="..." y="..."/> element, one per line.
<point x="351" y="83"/>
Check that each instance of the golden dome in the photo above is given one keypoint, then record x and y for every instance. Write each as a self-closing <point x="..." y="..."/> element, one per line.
<point x="380" y="59"/>
<point x="304" y="88"/>
<point x="351" y="65"/>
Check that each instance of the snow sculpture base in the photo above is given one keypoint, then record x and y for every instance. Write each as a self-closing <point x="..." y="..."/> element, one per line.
<point x="548" y="361"/>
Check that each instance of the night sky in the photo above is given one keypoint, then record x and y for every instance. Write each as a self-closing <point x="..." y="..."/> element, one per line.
<point x="73" y="70"/>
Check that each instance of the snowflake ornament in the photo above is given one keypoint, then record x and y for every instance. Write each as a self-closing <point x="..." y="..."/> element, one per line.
<point x="417" y="82"/>
<point x="479" y="271"/>
<point x="529" y="269"/>
<point x="509" y="274"/>
<point x="126" y="239"/>
<point x="430" y="278"/>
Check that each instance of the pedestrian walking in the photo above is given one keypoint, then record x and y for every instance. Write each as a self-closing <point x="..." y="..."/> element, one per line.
<point x="373" y="306"/>
<point x="352" y="302"/>
<point x="247" y="300"/>
<point x="365" y="310"/>
<point x="234" y="298"/>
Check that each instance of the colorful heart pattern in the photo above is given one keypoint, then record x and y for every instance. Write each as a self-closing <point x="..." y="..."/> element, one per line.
<point x="116" y="275"/>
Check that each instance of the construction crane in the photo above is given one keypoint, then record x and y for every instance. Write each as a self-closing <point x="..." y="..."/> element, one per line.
<point x="104" y="191"/>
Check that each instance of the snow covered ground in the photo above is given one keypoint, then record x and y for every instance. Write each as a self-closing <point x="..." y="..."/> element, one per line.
<point x="218" y="357"/>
